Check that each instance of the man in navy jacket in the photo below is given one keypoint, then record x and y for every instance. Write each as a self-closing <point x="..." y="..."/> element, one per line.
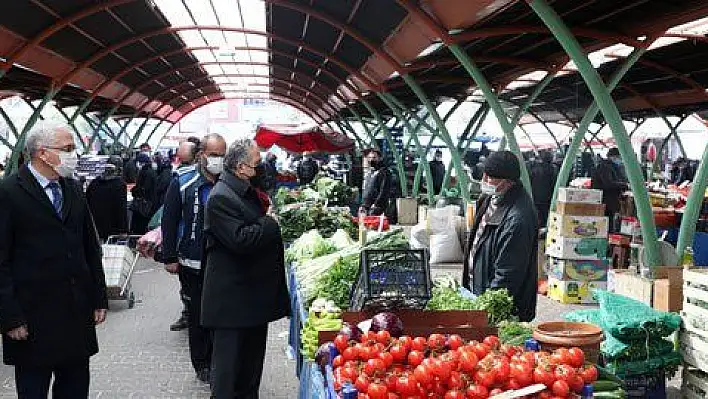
<point x="182" y="227"/>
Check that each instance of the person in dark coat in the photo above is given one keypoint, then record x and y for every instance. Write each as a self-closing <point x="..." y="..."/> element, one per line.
<point x="107" y="199"/>
<point x="307" y="170"/>
<point x="378" y="186"/>
<point x="543" y="176"/>
<point x="503" y="243"/>
<point x="144" y="188"/>
<point x="244" y="277"/>
<point x="52" y="286"/>
<point x="437" y="170"/>
<point x="164" y="176"/>
<point x="182" y="232"/>
<point x="609" y="178"/>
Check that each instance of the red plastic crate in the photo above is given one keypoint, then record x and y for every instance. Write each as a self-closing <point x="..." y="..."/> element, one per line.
<point x="372" y="222"/>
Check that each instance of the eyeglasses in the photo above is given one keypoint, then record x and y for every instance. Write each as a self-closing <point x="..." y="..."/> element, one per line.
<point x="66" y="148"/>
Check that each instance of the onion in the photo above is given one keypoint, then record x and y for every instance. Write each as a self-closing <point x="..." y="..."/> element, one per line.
<point x="389" y="322"/>
<point x="322" y="356"/>
<point x="352" y="332"/>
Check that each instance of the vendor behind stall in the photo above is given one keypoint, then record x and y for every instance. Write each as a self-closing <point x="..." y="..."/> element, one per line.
<point x="503" y="242"/>
<point x="610" y="178"/>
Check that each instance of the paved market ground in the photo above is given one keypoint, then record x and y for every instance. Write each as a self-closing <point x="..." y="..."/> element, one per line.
<point x="141" y="358"/>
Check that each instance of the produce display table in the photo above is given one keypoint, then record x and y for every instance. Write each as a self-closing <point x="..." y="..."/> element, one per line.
<point x="297" y="318"/>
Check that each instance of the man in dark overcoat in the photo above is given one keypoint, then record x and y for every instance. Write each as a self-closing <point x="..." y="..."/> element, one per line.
<point x="244" y="280"/>
<point x="52" y="286"/>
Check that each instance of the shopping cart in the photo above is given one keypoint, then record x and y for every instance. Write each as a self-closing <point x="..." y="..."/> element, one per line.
<point x="119" y="260"/>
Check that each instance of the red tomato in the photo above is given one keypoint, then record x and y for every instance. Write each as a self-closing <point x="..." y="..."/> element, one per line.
<point x="436" y="341"/>
<point x="560" y="388"/>
<point x="399" y="353"/>
<point x="374" y="366"/>
<point x="560" y="356"/>
<point x="423" y="374"/>
<point x="406" y="341"/>
<point x="338" y="361"/>
<point x="577" y="357"/>
<point x="377" y="391"/>
<point x="468" y="361"/>
<point x="387" y="358"/>
<point x="523" y="373"/>
<point x="419" y="344"/>
<point x="454" y="341"/>
<point x="341" y="342"/>
<point x="383" y="337"/>
<point x="415" y="357"/>
<point x="349" y="374"/>
<point x="513" y="384"/>
<point x="576" y="383"/>
<point x="455" y="380"/>
<point x="392" y="395"/>
<point x="362" y="396"/>
<point x="481" y="350"/>
<point x="501" y="370"/>
<point x="529" y="358"/>
<point x="484" y="378"/>
<point x="589" y="374"/>
<point x="391" y="381"/>
<point x="407" y="385"/>
<point x="441" y="369"/>
<point x="454" y="394"/>
<point x="492" y="341"/>
<point x="362" y="383"/>
<point x="374" y="351"/>
<point x="350" y="354"/>
<point x="475" y="391"/>
<point x="544" y="394"/>
<point x="565" y="373"/>
<point x="543" y="375"/>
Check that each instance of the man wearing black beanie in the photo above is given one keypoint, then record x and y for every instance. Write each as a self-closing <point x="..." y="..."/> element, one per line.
<point x="503" y="244"/>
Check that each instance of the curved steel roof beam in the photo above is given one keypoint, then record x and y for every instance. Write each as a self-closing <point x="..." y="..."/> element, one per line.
<point x="590" y="33"/>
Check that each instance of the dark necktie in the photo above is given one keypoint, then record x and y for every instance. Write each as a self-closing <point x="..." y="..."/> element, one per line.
<point x="57" y="199"/>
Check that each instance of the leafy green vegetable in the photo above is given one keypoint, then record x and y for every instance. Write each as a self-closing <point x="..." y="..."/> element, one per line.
<point x="336" y="283"/>
<point x="514" y="332"/>
<point x="447" y="298"/>
<point x="310" y="245"/>
<point x="297" y="220"/>
<point x="498" y="304"/>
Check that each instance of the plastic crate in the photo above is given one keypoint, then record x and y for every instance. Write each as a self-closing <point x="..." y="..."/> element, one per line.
<point x="392" y="279"/>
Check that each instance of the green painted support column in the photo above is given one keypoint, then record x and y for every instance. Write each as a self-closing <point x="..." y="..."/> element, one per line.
<point x="73" y="127"/>
<point x="693" y="206"/>
<point x="365" y="126"/>
<point x="393" y="104"/>
<point x="463" y="180"/>
<point x="344" y="125"/>
<point x="590" y="114"/>
<point x="493" y="101"/>
<point x="165" y="134"/>
<point x="473" y="126"/>
<point x="136" y="136"/>
<point x="125" y="126"/>
<point x="100" y="125"/>
<point x="20" y="143"/>
<point x="609" y="110"/>
<point x="9" y="122"/>
<point x="392" y="145"/>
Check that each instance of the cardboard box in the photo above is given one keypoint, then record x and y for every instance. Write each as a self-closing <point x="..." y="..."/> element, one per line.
<point x="667" y="297"/>
<point x="572" y="226"/>
<point x="576" y="248"/>
<point x="407" y="209"/>
<point x="634" y="286"/>
<point x="579" y="270"/>
<point x="584" y="195"/>
<point x="580" y="209"/>
<point x="575" y="292"/>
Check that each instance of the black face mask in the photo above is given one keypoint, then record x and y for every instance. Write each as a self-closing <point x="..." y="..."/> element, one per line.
<point x="376" y="163"/>
<point x="257" y="180"/>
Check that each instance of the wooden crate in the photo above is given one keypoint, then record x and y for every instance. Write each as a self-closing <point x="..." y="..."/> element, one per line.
<point x="694" y="384"/>
<point x="631" y="285"/>
<point x="469" y="324"/>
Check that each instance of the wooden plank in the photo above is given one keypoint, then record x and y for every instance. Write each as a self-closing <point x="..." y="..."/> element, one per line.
<point x="694" y="351"/>
<point x="695" y="379"/>
<point x="693" y="292"/>
<point x="696" y="276"/>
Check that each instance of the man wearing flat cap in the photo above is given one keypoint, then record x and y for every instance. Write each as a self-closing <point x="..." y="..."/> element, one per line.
<point x="503" y="243"/>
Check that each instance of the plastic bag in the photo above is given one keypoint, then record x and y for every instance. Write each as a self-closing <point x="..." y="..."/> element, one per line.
<point x="420" y="238"/>
<point x="149" y="243"/>
<point x="445" y="247"/>
<point x="628" y="319"/>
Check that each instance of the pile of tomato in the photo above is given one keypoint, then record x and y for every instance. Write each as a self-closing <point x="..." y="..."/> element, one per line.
<point x="447" y="367"/>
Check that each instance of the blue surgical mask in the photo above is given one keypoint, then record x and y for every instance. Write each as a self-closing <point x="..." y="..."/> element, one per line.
<point x="617" y="161"/>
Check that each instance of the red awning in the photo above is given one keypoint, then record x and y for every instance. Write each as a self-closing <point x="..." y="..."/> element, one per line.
<point x="299" y="141"/>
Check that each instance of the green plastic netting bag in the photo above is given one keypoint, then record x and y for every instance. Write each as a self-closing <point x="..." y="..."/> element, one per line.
<point x="627" y="319"/>
<point x="623" y="368"/>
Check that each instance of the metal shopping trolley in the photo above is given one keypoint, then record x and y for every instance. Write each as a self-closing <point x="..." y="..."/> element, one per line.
<point x="119" y="260"/>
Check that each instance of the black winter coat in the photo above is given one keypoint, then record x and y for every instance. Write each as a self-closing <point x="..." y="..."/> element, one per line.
<point x="51" y="275"/>
<point x="610" y="180"/>
<point x="108" y="201"/>
<point x="543" y="179"/>
<point x="379" y="190"/>
<point x="437" y="170"/>
<point x="146" y="185"/>
<point x="507" y="254"/>
<point x="244" y="277"/>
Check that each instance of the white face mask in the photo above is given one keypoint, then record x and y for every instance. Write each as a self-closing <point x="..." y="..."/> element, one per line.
<point x="215" y="165"/>
<point x="488" y="189"/>
<point x="68" y="162"/>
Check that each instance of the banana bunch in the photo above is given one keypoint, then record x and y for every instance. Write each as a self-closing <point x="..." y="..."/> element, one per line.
<point x="323" y="315"/>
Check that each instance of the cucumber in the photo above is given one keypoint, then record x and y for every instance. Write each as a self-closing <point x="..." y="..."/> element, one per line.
<point x="605" y="385"/>
<point x="616" y="394"/>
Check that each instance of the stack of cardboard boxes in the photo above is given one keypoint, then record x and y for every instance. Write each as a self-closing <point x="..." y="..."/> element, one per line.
<point x="577" y="246"/>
